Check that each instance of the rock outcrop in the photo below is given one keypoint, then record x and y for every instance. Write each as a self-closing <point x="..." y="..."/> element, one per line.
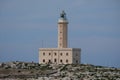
<point x="34" y="71"/>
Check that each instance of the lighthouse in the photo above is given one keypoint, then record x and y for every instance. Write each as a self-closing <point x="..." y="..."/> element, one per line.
<point x="62" y="54"/>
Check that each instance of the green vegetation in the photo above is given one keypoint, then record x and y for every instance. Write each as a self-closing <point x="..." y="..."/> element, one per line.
<point x="64" y="68"/>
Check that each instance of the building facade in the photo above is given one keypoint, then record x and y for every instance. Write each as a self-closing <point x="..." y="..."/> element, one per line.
<point x="62" y="54"/>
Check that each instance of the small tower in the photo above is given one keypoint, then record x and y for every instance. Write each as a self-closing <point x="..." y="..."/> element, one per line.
<point x="62" y="31"/>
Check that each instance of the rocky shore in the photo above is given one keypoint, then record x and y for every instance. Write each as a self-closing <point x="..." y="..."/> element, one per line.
<point x="34" y="71"/>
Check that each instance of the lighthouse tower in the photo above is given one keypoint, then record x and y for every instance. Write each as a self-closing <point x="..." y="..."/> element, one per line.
<point x="62" y="31"/>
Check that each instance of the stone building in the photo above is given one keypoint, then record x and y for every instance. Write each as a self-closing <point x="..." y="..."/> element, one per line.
<point x="62" y="54"/>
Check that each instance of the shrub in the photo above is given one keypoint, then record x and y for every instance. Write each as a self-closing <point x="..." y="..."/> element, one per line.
<point x="64" y="68"/>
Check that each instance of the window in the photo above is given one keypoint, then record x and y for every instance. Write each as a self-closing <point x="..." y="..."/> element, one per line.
<point x="43" y="60"/>
<point x="55" y="60"/>
<point x="49" y="53"/>
<point x="49" y="61"/>
<point x="66" y="60"/>
<point x="61" y="54"/>
<point x="55" y="54"/>
<point x="66" y="54"/>
<point x="76" y="61"/>
<point x="73" y="58"/>
<point x="76" y="54"/>
<point x="60" y="37"/>
<point x="60" y="44"/>
<point x="61" y="60"/>
<point x="44" y="54"/>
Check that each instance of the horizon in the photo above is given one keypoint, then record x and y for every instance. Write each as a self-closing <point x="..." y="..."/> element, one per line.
<point x="94" y="26"/>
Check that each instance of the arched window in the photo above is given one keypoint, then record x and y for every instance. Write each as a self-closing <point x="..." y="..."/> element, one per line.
<point x="43" y="60"/>
<point x="61" y="54"/>
<point x="60" y="44"/>
<point x="44" y="53"/>
<point x="76" y="61"/>
<point x="55" y="60"/>
<point x="66" y="60"/>
<point x="66" y="54"/>
<point x="61" y="60"/>
<point x="55" y="54"/>
<point x="49" y="53"/>
<point x="76" y="54"/>
<point x="49" y="61"/>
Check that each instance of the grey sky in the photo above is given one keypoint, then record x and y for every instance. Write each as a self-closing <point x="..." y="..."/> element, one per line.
<point x="94" y="26"/>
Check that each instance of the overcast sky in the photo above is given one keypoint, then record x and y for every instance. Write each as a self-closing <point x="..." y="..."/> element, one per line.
<point x="94" y="26"/>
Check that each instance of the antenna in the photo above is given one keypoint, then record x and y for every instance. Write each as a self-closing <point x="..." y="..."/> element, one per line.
<point x="69" y="43"/>
<point x="42" y="43"/>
